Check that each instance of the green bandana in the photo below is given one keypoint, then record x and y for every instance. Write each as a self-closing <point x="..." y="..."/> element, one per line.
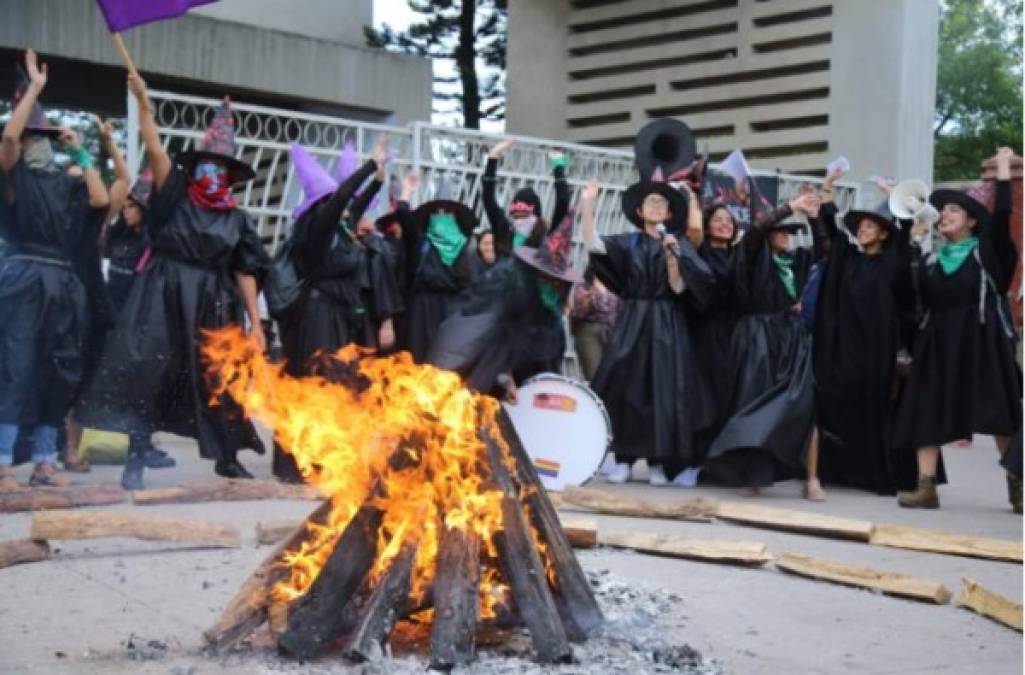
<point x="953" y="255"/>
<point x="445" y="235"/>
<point x="519" y="240"/>
<point x="549" y="296"/>
<point x="784" y="267"/>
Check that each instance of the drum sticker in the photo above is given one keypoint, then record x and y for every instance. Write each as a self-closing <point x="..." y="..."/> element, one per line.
<point x="547" y="467"/>
<point x="559" y="402"/>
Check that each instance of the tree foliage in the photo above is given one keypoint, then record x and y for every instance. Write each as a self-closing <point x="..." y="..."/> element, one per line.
<point x="979" y="84"/>
<point x="469" y="35"/>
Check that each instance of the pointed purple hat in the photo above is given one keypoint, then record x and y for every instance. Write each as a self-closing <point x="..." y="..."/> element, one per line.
<point x="314" y="179"/>
<point x="347" y="164"/>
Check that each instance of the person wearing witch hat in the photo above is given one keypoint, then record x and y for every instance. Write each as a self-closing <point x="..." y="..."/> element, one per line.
<point x="524" y="225"/>
<point x="863" y="302"/>
<point x="510" y="326"/>
<point x="126" y="239"/>
<point x="206" y="263"/>
<point x="44" y="311"/>
<point x="772" y="397"/>
<point x="648" y="376"/>
<point x="349" y="292"/>
<point x="964" y="375"/>
<point x="439" y="262"/>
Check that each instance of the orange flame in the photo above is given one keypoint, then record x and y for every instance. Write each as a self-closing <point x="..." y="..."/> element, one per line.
<point x="401" y="435"/>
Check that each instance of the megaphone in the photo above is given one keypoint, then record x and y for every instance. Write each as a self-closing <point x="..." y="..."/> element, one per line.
<point x="909" y="200"/>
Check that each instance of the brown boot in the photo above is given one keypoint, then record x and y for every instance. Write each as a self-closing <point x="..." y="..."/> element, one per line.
<point x="924" y="497"/>
<point x="1014" y="492"/>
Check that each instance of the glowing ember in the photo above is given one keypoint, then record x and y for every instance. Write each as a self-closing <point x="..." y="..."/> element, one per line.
<point x="385" y="431"/>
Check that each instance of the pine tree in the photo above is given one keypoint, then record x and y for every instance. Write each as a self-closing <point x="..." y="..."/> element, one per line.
<point x="466" y="34"/>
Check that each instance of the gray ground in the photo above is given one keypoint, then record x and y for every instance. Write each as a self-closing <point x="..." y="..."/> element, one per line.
<point x="125" y="606"/>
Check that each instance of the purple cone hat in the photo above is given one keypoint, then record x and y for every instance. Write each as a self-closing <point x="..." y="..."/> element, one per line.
<point x="553" y="256"/>
<point x="218" y="143"/>
<point x="346" y="165"/>
<point x="314" y="179"/>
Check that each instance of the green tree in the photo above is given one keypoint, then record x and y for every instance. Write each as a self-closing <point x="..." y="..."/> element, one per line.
<point x="979" y="84"/>
<point x="467" y="34"/>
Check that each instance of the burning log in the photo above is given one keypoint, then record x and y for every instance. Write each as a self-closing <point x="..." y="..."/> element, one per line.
<point x="61" y="525"/>
<point x="42" y="499"/>
<point x="23" y="551"/>
<point x="456" y="607"/>
<point x="380" y="610"/>
<point x="317" y="617"/>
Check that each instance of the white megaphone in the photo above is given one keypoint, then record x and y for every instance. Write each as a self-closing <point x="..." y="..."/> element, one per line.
<point x="909" y="200"/>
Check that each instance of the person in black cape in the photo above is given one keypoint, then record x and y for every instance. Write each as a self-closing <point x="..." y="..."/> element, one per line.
<point x="525" y="225"/>
<point x="349" y="293"/>
<point x="206" y="263"/>
<point x="964" y="376"/>
<point x="126" y="240"/>
<point x="648" y="377"/>
<point x="440" y="265"/>
<point x="770" y="373"/>
<point x="52" y="217"/>
<point x="510" y="326"/>
<point x="863" y="302"/>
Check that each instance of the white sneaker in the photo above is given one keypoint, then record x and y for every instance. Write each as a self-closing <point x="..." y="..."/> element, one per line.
<point x="620" y="473"/>
<point x="608" y="465"/>
<point x="657" y="476"/>
<point x="687" y="478"/>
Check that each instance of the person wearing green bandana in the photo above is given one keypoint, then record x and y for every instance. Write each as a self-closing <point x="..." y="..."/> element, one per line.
<point x="964" y="377"/>
<point x="441" y="263"/>
<point x="766" y="435"/>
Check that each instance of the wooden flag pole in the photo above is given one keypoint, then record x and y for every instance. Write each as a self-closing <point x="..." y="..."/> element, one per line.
<point x="123" y="50"/>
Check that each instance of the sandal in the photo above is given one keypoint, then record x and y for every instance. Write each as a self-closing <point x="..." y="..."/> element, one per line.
<point x="46" y="475"/>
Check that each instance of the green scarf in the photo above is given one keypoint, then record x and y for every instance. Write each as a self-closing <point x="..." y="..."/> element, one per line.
<point x="784" y="267"/>
<point x="519" y="240"/>
<point x="549" y="296"/>
<point x="447" y="238"/>
<point x="953" y="255"/>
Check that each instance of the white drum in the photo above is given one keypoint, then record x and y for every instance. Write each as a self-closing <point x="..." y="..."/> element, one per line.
<point x="564" y="428"/>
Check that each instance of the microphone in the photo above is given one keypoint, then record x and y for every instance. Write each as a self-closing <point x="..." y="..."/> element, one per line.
<point x="662" y="232"/>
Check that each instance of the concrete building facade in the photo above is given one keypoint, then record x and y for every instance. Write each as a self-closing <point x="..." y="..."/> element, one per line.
<point x="308" y="56"/>
<point x="793" y="83"/>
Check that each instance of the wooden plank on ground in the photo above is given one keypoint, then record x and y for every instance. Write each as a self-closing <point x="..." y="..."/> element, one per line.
<point x="271" y="532"/>
<point x="601" y="501"/>
<point x="581" y="532"/>
<point x="38" y="499"/>
<point x="790" y="520"/>
<point x="936" y="541"/>
<point x="58" y="525"/>
<point x="708" y="550"/>
<point x="990" y="604"/>
<point x="21" y="551"/>
<point x="225" y="490"/>
<point x="890" y="583"/>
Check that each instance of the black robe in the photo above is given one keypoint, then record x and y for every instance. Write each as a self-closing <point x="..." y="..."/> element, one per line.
<point x="501" y="327"/>
<point x="44" y="310"/>
<point x="502" y="228"/>
<point x="711" y="333"/>
<point x="964" y="377"/>
<point x="434" y="288"/>
<point x="862" y="303"/>
<point x="350" y="288"/>
<point x="772" y="397"/>
<point x="150" y="377"/>
<point x="648" y="376"/>
<point x="124" y="247"/>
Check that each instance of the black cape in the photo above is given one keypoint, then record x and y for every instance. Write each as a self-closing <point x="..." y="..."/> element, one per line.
<point x="150" y="377"/>
<point x="648" y="376"/>
<point x="964" y="377"/>
<point x="501" y="327"/>
<point x="772" y="399"/>
<point x="124" y="247"/>
<point x="44" y="311"/>
<point x="863" y="302"/>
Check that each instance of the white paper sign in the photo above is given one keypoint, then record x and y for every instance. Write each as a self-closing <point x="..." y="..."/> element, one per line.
<point x="736" y="166"/>
<point x="840" y="164"/>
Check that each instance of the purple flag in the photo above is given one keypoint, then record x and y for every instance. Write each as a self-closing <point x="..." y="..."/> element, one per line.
<point x="124" y="14"/>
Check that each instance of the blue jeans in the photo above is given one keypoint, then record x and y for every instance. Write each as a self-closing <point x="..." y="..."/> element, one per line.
<point x="44" y="444"/>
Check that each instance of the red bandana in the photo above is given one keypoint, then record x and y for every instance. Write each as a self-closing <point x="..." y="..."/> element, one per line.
<point x="212" y="194"/>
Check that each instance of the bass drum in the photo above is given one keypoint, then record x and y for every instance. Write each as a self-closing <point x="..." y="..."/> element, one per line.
<point x="564" y="429"/>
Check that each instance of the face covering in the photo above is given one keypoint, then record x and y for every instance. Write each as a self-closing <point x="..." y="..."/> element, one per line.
<point x="784" y="267"/>
<point x="953" y="255"/>
<point x="549" y="295"/>
<point x="210" y="187"/>
<point x="38" y="153"/>
<point x="522" y="229"/>
<point x="446" y="237"/>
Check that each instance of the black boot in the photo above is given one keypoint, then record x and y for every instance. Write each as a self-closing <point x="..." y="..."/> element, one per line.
<point x="231" y="468"/>
<point x="157" y="458"/>
<point x="131" y="477"/>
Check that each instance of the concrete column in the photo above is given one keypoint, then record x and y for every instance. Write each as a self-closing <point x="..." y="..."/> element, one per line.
<point x="536" y="68"/>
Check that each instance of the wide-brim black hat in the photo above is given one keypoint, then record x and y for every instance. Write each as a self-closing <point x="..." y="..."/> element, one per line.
<point x="238" y="171"/>
<point x="975" y="208"/>
<point x="635" y="194"/>
<point x="666" y="143"/>
<point x="533" y="257"/>
<point x="880" y="214"/>
<point x="465" y="217"/>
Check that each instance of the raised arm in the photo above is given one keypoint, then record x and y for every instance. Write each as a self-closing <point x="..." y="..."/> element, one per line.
<point x="496" y="216"/>
<point x="362" y="201"/>
<point x="588" y="229"/>
<point x="159" y="160"/>
<point x="98" y="198"/>
<point x="999" y="232"/>
<point x="695" y="225"/>
<point x="559" y="162"/>
<point x="411" y="234"/>
<point x="122" y="179"/>
<point x="327" y="214"/>
<point x="10" y="147"/>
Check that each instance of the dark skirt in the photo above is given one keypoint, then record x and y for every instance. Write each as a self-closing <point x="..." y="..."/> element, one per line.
<point x="424" y="315"/>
